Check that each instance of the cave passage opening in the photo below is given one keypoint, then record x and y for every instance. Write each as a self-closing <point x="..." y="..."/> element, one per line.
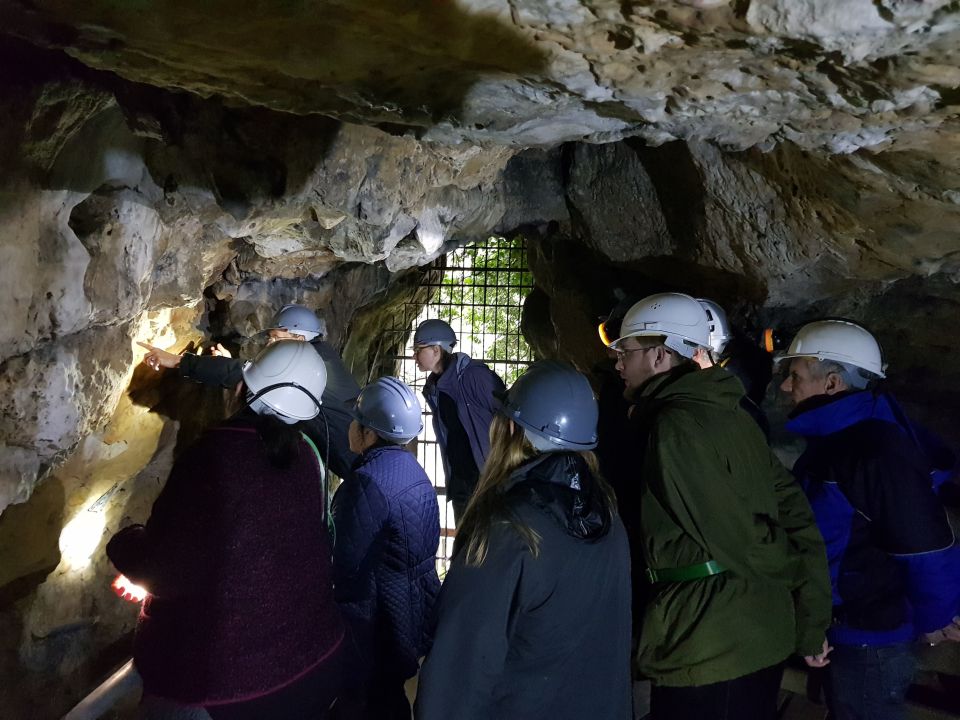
<point x="481" y="294"/>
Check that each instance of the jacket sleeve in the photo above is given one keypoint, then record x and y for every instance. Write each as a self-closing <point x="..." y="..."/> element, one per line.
<point x="211" y="370"/>
<point x="477" y="611"/>
<point x="708" y="501"/>
<point x="893" y="490"/>
<point x="162" y="554"/>
<point x="811" y="579"/>
<point x="360" y="512"/>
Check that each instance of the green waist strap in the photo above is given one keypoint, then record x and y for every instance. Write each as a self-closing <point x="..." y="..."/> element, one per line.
<point x="685" y="573"/>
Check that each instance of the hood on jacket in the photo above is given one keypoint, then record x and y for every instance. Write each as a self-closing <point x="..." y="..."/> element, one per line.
<point x="561" y="485"/>
<point x="687" y="383"/>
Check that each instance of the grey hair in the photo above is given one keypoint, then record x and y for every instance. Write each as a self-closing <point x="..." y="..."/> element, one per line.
<point x="852" y="376"/>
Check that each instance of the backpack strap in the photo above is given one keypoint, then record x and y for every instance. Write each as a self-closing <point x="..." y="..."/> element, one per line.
<point x="326" y="515"/>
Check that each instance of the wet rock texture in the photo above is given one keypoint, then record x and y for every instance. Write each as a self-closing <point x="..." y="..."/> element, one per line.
<point x="789" y="159"/>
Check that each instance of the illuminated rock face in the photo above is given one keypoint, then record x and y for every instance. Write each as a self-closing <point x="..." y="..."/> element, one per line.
<point x="130" y="212"/>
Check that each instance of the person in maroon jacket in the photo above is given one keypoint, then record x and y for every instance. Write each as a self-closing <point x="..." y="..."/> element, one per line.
<point x="241" y="620"/>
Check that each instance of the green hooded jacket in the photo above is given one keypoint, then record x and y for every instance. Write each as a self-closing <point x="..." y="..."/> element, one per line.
<point x="713" y="490"/>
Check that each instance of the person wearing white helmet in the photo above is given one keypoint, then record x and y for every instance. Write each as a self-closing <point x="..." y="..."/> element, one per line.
<point x="737" y="566"/>
<point x="895" y="567"/>
<point x="387" y="533"/>
<point x="241" y="619"/>
<point x="534" y="618"/>
<point x="292" y="322"/>
<point x="750" y="363"/>
<point x="460" y="393"/>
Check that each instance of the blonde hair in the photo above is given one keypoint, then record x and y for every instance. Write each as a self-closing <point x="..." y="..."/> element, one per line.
<point x="509" y="449"/>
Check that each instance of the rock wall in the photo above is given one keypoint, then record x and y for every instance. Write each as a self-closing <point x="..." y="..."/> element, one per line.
<point x="131" y="214"/>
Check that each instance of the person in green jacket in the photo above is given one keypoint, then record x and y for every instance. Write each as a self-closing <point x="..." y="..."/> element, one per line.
<point x="737" y="565"/>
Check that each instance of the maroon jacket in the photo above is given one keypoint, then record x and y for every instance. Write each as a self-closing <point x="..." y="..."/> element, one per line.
<point x="238" y="562"/>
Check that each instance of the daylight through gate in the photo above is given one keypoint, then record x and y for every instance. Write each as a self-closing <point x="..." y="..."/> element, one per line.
<point x="481" y="295"/>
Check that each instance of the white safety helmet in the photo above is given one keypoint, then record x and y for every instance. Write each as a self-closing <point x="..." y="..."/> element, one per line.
<point x="717" y="323"/>
<point x="390" y="408"/>
<point x="300" y="320"/>
<point x="679" y="318"/>
<point x="839" y="340"/>
<point x="287" y="379"/>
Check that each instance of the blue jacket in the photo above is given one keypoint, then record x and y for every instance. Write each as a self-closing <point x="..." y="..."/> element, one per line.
<point x="384" y="561"/>
<point x="473" y="387"/>
<point x="894" y="566"/>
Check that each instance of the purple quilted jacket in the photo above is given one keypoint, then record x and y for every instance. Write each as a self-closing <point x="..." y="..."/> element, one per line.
<point x="387" y="523"/>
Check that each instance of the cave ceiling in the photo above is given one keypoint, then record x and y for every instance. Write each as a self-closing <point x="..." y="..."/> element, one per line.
<point x="822" y="74"/>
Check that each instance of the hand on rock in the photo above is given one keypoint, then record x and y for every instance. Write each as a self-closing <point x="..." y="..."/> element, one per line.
<point x="157" y="358"/>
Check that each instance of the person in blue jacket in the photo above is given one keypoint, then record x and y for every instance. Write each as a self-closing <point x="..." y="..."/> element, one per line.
<point x="533" y="620"/>
<point x="387" y="525"/>
<point x="461" y="393"/>
<point x="894" y="563"/>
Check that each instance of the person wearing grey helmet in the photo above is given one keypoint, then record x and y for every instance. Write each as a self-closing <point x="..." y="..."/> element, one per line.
<point x="241" y="619"/>
<point x="387" y="525"/>
<point x="534" y="618"/>
<point x="460" y="393"/>
<point x="292" y="322"/>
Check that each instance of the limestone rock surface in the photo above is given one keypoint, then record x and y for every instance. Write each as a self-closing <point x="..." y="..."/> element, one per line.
<point x="823" y="74"/>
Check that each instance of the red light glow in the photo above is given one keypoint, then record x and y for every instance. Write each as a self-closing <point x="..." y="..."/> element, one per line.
<point x="128" y="590"/>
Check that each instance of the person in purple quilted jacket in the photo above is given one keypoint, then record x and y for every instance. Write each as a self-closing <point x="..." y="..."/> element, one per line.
<point x="387" y="522"/>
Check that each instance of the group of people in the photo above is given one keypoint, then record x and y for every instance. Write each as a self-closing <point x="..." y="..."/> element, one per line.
<point x="703" y="565"/>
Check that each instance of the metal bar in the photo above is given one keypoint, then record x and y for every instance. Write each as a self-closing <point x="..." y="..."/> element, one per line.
<point x="123" y="682"/>
<point x="490" y="296"/>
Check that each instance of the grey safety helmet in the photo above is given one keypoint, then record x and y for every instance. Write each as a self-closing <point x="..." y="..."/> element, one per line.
<point x="300" y="320"/>
<point x="287" y="380"/>
<point x="554" y="402"/>
<point x="390" y="408"/>
<point x="435" y="332"/>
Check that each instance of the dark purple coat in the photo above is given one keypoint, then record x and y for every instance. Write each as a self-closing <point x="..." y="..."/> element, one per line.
<point x="238" y="563"/>
<point x="472" y="386"/>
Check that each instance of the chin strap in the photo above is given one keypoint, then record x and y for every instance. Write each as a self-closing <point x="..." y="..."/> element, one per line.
<point x="253" y="397"/>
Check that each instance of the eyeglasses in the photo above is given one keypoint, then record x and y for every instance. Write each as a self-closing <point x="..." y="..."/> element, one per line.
<point x="621" y="354"/>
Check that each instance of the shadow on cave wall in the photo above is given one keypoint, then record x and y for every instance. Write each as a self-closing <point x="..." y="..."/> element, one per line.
<point x="406" y="62"/>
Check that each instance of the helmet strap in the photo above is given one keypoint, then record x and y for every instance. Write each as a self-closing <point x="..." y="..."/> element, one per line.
<point x="252" y="398"/>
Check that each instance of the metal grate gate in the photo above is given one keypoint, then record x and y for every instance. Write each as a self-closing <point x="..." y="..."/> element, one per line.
<point x="481" y="295"/>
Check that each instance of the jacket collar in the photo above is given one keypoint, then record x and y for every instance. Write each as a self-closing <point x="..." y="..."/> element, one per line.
<point x="561" y="485"/>
<point x="827" y="414"/>
<point x="458" y="363"/>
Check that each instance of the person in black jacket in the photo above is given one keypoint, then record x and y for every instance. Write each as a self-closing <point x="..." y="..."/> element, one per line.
<point x="752" y="365"/>
<point x="534" y="615"/>
<point x="293" y="322"/>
